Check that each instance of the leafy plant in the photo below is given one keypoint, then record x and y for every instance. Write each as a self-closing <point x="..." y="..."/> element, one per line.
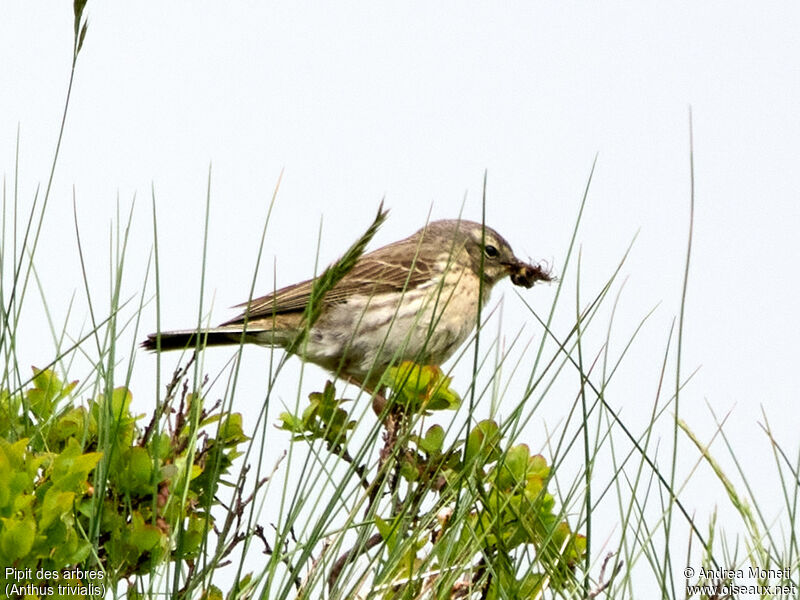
<point x="87" y="485"/>
<point x="462" y="515"/>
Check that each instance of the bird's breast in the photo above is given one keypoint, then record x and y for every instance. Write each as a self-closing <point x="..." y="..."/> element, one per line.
<point x="425" y="324"/>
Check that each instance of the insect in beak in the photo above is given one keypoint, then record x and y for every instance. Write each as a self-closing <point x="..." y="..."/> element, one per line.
<point x="526" y="275"/>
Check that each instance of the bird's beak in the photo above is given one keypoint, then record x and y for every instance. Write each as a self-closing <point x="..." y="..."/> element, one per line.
<point x="526" y="275"/>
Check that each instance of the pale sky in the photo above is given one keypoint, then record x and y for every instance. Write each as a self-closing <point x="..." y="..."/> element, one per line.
<point x="360" y="102"/>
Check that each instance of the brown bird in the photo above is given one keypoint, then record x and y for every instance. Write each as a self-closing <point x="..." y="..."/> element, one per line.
<point x="415" y="299"/>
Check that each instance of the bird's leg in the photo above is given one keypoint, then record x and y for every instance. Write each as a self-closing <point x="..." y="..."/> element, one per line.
<point x="379" y="401"/>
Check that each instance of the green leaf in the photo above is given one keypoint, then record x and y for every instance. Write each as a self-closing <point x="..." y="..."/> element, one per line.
<point x="71" y="467"/>
<point x="159" y="446"/>
<point x="409" y="470"/>
<point x="433" y="441"/>
<point x="211" y="593"/>
<point x="5" y="475"/>
<point x="136" y="467"/>
<point x="12" y="422"/>
<point x="71" y="550"/>
<point x="421" y="387"/>
<point x="16" y="538"/>
<point x="323" y="419"/>
<point x="513" y="467"/>
<point x="56" y="504"/>
<point x="388" y="531"/>
<point x="46" y="392"/>
<point x="240" y="591"/>
<point x="482" y="442"/>
<point x="71" y="423"/>
<point x="120" y="403"/>
<point x="232" y="433"/>
<point x="112" y="413"/>
<point x="15" y="452"/>
<point x="530" y="585"/>
<point x="142" y="536"/>
<point x="289" y="422"/>
<point x="195" y="533"/>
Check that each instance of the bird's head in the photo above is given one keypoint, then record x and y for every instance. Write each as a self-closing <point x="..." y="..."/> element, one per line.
<point x="488" y="252"/>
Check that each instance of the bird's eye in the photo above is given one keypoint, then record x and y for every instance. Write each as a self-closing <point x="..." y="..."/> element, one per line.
<point x="491" y="251"/>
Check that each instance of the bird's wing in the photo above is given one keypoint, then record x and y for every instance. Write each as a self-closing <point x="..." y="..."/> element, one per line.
<point x="384" y="270"/>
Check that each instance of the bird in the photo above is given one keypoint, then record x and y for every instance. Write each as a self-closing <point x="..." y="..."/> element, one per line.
<point x="417" y="299"/>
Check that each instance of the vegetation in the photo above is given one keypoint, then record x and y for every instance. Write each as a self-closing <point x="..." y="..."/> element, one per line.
<point x="423" y="500"/>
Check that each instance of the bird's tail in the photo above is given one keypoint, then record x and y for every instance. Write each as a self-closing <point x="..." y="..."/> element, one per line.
<point x="192" y="338"/>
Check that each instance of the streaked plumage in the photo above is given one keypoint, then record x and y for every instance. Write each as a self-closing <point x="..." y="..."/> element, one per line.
<point x="415" y="299"/>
